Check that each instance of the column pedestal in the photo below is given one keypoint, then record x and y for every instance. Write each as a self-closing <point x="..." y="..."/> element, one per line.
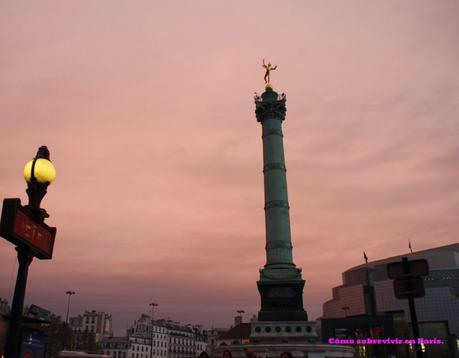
<point x="281" y="301"/>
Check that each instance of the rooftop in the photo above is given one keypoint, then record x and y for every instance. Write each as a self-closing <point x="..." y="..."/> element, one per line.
<point x="114" y="340"/>
<point x="242" y="330"/>
<point x="416" y="254"/>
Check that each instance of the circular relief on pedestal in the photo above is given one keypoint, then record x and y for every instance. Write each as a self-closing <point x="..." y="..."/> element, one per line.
<point x="257" y="329"/>
<point x="298" y="329"/>
<point x="267" y="329"/>
<point x="278" y="329"/>
<point x="288" y="329"/>
<point x="308" y="328"/>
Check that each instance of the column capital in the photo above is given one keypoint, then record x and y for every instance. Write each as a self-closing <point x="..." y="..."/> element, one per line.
<point x="270" y="105"/>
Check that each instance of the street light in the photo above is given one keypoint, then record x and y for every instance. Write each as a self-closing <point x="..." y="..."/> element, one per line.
<point x="69" y="293"/>
<point x="240" y="324"/>
<point x="24" y="226"/>
<point x="345" y="309"/>
<point x="38" y="173"/>
<point x="152" y="305"/>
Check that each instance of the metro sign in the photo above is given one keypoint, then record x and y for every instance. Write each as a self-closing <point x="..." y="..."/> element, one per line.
<point x="409" y="287"/>
<point x="410" y="268"/>
<point x="19" y="227"/>
<point x="407" y="276"/>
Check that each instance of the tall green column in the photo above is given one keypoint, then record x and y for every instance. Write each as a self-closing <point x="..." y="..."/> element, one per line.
<point x="280" y="284"/>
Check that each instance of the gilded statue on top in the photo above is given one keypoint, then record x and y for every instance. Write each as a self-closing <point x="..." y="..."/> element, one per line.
<point x="268" y="68"/>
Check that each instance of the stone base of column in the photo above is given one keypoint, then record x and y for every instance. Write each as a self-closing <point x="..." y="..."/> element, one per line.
<point x="281" y="301"/>
<point x="298" y="350"/>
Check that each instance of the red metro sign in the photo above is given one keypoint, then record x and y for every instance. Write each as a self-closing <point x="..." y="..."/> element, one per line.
<point x="19" y="227"/>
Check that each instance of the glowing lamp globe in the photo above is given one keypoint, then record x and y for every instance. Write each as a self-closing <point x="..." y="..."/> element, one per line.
<point x="44" y="171"/>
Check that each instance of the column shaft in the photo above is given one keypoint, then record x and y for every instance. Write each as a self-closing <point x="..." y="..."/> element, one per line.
<point x="277" y="219"/>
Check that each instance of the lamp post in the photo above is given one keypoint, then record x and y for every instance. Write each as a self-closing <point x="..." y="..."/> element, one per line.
<point x="240" y="324"/>
<point x="24" y="226"/>
<point x="69" y="293"/>
<point x="152" y="305"/>
<point x="345" y="309"/>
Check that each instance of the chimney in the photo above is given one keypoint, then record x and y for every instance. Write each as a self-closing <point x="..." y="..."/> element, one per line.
<point x="237" y="320"/>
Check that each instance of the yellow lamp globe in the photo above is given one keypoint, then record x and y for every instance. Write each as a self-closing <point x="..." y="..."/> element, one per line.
<point x="44" y="171"/>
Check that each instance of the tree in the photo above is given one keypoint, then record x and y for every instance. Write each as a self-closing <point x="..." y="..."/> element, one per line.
<point x="59" y="337"/>
<point x="85" y="341"/>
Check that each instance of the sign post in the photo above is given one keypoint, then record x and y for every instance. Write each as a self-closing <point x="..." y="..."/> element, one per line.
<point x="24" y="227"/>
<point x="408" y="284"/>
<point x="19" y="226"/>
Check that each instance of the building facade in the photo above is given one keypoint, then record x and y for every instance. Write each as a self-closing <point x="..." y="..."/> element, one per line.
<point x="145" y="337"/>
<point x="201" y="343"/>
<point x="164" y="338"/>
<point x="213" y="338"/>
<point x="115" y="347"/>
<point x="98" y="323"/>
<point x="239" y="334"/>
<point x="139" y="347"/>
<point x="181" y="341"/>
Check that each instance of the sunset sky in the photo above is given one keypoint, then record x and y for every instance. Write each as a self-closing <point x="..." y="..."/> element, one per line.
<point x="147" y="109"/>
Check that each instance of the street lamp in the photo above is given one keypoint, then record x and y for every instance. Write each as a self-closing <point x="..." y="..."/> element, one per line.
<point x="24" y="226"/>
<point x="38" y="173"/>
<point x="152" y="305"/>
<point x="69" y="293"/>
<point x="345" y="309"/>
<point x="240" y="324"/>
